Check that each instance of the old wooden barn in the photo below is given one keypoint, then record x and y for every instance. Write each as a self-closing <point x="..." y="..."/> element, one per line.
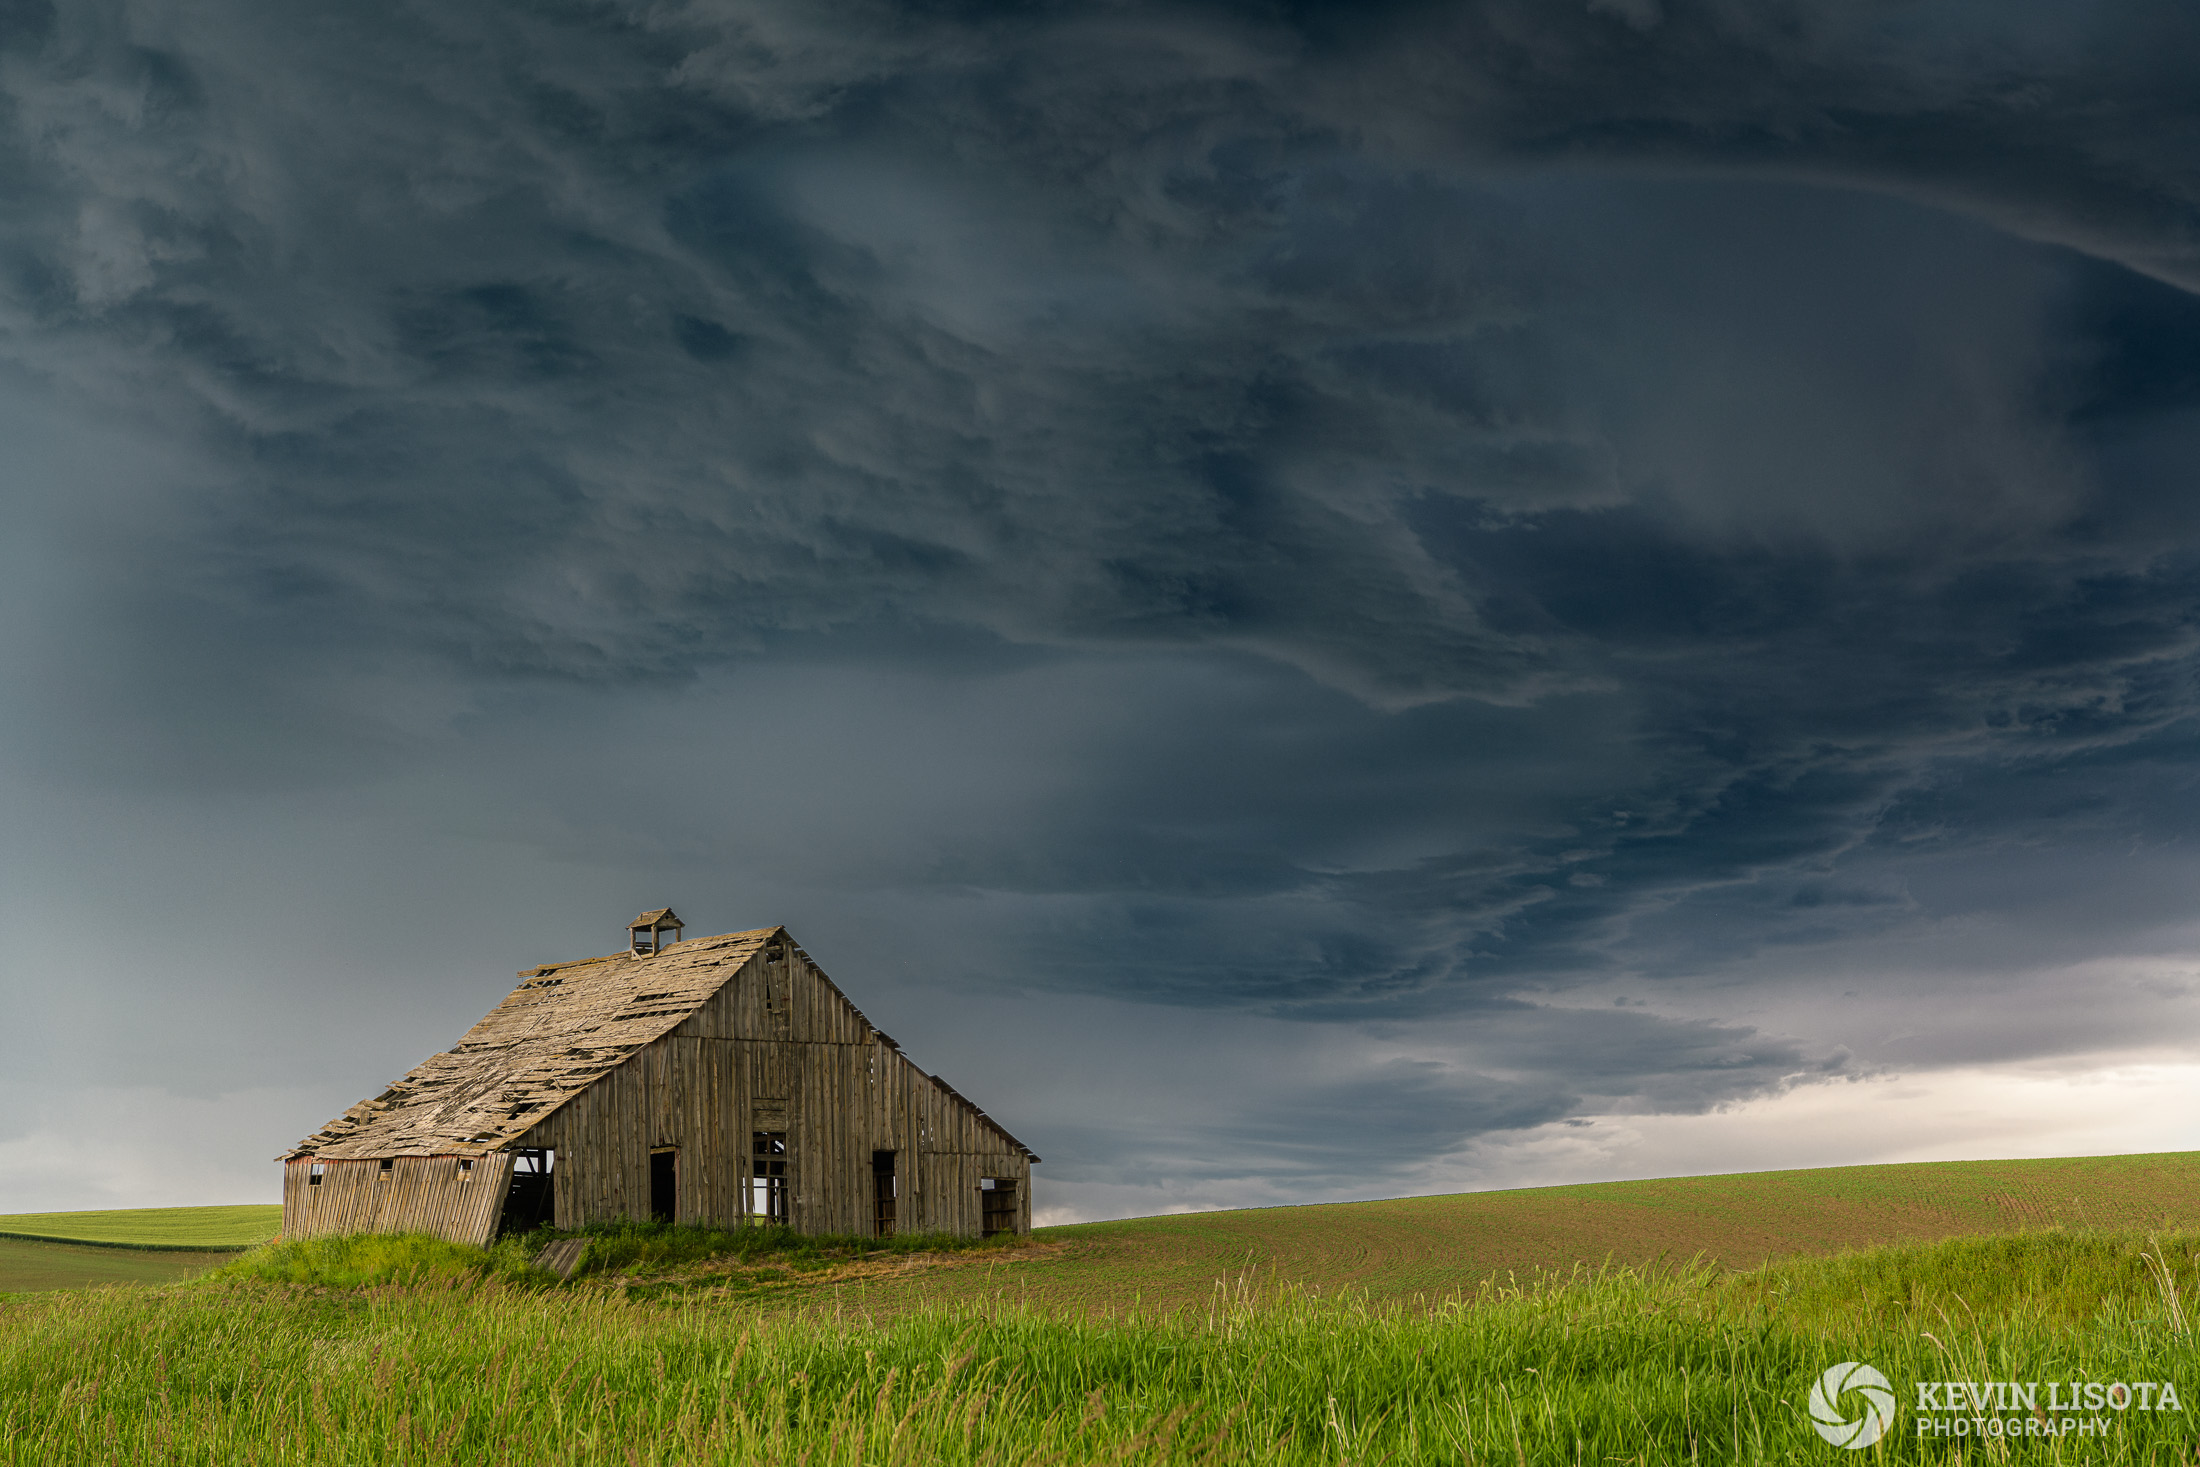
<point x="717" y="1080"/>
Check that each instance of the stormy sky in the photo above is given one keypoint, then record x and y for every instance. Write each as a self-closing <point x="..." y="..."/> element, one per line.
<point x="1308" y="601"/>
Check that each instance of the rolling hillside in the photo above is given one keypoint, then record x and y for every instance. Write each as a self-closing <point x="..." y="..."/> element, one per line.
<point x="152" y="1245"/>
<point x="172" y="1229"/>
<point x="34" y="1267"/>
<point x="1120" y="1360"/>
<point x="1393" y="1250"/>
<point x="1432" y="1246"/>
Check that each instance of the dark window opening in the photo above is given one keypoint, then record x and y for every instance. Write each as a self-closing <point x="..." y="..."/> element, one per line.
<point x="883" y="1193"/>
<point x="768" y="1178"/>
<point x="996" y="1206"/>
<point x="664" y="1185"/>
<point x="313" y="1173"/>
<point x="465" y="1170"/>
<point x="388" y="1165"/>
<point x="531" y="1201"/>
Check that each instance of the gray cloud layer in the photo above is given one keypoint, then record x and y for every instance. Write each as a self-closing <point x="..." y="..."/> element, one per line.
<point x="1475" y="516"/>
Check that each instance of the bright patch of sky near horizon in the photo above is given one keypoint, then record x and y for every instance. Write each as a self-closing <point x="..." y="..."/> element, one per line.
<point x="1307" y="604"/>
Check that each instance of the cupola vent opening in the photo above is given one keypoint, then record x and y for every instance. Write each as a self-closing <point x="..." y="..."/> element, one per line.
<point x="646" y="933"/>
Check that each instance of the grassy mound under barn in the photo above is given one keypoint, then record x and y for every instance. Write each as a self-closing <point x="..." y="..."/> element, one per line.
<point x="644" y="1260"/>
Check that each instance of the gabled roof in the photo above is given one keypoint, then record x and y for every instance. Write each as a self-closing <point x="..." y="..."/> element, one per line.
<point x="562" y="1029"/>
<point x="662" y="917"/>
<point x="556" y="1033"/>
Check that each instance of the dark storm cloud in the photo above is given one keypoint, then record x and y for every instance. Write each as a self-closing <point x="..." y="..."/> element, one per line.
<point x="605" y="343"/>
<point x="2071" y="126"/>
<point x="1300" y="1111"/>
<point x="1362" y="513"/>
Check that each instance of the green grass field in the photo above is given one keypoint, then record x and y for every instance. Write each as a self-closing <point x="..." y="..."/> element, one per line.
<point x="171" y="1229"/>
<point x="1689" y="1366"/>
<point x="27" y="1267"/>
<point x="1486" y="1329"/>
<point x="154" y="1245"/>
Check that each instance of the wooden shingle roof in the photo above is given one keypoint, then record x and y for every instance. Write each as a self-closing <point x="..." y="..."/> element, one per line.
<point x="562" y="1028"/>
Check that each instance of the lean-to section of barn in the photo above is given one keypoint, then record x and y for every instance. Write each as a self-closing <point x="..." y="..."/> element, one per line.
<point x="459" y="1198"/>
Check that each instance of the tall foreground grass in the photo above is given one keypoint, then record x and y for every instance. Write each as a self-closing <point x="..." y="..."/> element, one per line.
<point x="1618" y="1366"/>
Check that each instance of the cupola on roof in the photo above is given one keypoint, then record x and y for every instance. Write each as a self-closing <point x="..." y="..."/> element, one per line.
<point x="645" y="934"/>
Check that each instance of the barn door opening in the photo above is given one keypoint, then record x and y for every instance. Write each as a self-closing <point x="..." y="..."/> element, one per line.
<point x="997" y="1206"/>
<point x="532" y="1200"/>
<point x="883" y="1193"/>
<point x="768" y="1178"/>
<point x="664" y="1184"/>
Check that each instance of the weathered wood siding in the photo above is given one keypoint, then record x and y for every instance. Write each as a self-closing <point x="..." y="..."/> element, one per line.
<point x="778" y="1048"/>
<point x="418" y="1194"/>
